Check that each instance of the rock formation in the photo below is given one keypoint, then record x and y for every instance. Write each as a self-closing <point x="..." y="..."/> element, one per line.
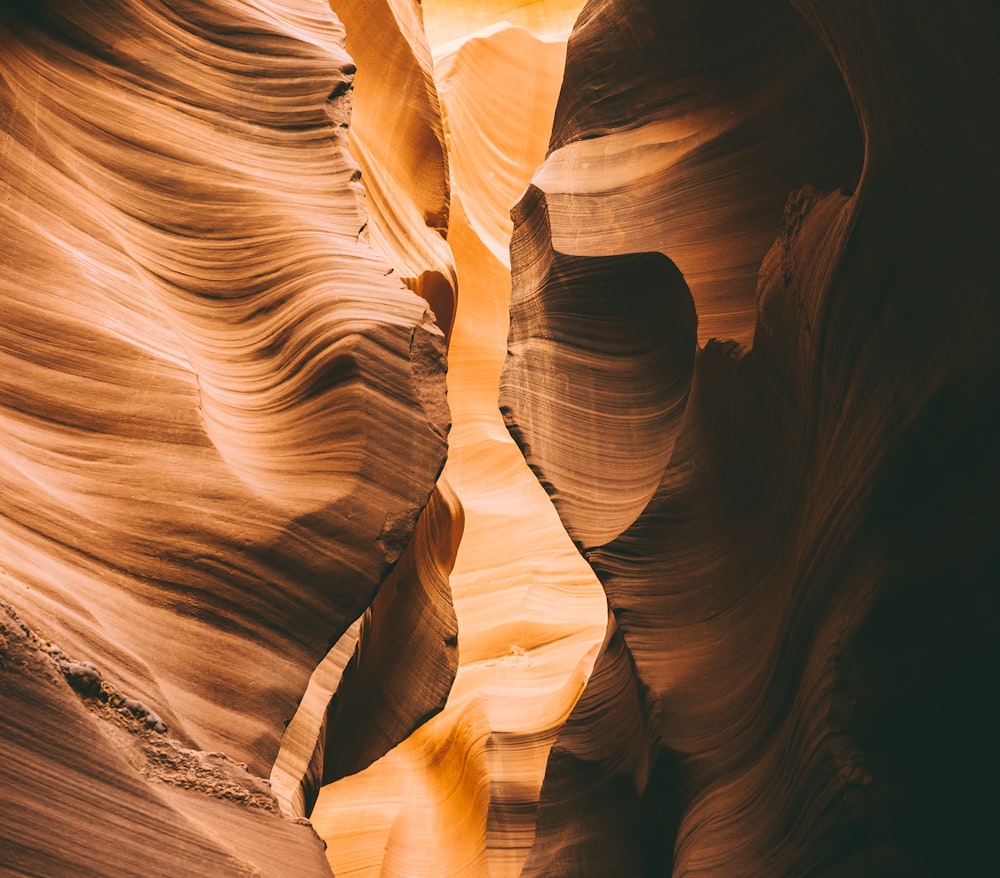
<point x="222" y="410"/>
<point x="530" y="612"/>
<point x="803" y="622"/>
<point x="398" y="140"/>
<point x="702" y="580"/>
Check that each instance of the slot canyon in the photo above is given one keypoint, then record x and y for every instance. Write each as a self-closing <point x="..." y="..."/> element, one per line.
<point x="497" y="438"/>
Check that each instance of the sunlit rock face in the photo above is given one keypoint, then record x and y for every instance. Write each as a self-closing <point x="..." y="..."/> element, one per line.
<point x="458" y="797"/>
<point x="728" y="268"/>
<point x="682" y="127"/>
<point x="397" y="138"/>
<point x="222" y="410"/>
<point x="804" y="623"/>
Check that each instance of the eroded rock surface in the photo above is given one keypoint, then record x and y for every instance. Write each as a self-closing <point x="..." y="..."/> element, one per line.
<point x="751" y="357"/>
<point x="459" y="796"/>
<point x="682" y="127"/>
<point x="804" y="621"/>
<point x="397" y="138"/>
<point x="222" y="410"/>
<point x="90" y="789"/>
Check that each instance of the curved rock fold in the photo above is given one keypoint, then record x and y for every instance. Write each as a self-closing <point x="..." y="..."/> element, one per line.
<point x="702" y="581"/>
<point x="222" y="412"/>
<point x="754" y="589"/>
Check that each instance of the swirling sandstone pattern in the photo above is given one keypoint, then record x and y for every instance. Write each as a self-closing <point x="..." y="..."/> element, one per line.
<point x="222" y="411"/>
<point x="398" y="141"/>
<point x="77" y="797"/>
<point x="390" y="671"/>
<point x="804" y="620"/>
<point x="682" y="128"/>
<point x="751" y="357"/>
<point x="458" y="798"/>
<point x="600" y="356"/>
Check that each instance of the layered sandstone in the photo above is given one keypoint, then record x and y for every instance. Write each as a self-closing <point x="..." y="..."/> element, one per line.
<point x="530" y="614"/>
<point x="707" y="591"/>
<point x="222" y="411"/>
<point x="802" y="622"/>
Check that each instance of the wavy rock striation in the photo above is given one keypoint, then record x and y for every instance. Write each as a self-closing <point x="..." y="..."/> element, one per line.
<point x="222" y="410"/>
<point x="804" y="621"/>
<point x="407" y="652"/>
<point x="397" y="138"/>
<point x="458" y="797"/>
<point x="600" y="354"/>
<point x="681" y="128"/>
<point x="232" y="586"/>
<point x="90" y="790"/>
<point x="388" y="673"/>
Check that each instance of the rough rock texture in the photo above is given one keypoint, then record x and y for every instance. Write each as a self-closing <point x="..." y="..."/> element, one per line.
<point x="222" y="411"/>
<point x="89" y="797"/>
<point x="805" y="614"/>
<point x="397" y="138"/>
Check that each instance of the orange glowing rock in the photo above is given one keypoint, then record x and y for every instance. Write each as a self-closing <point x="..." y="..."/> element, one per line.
<point x="222" y="410"/>
<point x="701" y="583"/>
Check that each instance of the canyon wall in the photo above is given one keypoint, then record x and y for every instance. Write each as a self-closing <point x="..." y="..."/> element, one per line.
<point x="702" y="580"/>
<point x="222" y="413"/>
<point x="458" y="797"/>
<point x="795" y="534"/>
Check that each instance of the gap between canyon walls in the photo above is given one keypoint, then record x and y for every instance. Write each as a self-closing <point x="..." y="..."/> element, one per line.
<point x="224" y="430"/>
<point x="458" y="797"/>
